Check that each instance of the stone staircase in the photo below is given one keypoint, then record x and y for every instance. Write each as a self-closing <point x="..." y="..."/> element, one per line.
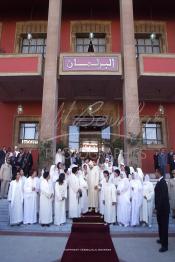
<point x="4" y="212"/>
<point x="4" y="225"/>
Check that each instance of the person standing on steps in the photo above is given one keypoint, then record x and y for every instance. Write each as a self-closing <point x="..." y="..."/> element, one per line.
<point x="162" y="207"/>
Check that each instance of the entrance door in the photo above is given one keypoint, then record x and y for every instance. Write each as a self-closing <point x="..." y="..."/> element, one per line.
<point x="93" y="134"/>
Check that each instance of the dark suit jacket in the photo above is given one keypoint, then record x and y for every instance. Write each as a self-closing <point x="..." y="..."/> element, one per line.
<point x="161" y="197"/>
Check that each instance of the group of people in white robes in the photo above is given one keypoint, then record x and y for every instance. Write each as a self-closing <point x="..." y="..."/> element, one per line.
<point x="121" y="196"/>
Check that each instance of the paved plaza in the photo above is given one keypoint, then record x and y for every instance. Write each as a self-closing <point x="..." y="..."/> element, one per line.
<point x="50" y="249"/>
<point x="32" y="243"/>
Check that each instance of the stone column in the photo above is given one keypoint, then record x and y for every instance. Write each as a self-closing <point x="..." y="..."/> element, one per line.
<point x="50" y="87"/>
<point x="130" y="85"/>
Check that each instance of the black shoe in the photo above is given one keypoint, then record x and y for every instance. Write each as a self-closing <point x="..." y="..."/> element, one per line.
<point x="158" y="241"/>
<point x="163" y="249"/>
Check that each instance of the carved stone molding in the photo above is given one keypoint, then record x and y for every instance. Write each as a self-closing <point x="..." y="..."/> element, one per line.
<point x="35" y="27"/>
<point x="158" y="27"/>
<point x="90" y="26"/>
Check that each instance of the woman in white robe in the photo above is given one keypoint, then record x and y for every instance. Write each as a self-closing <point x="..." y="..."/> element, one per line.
<point x="31" y="189"/>
<point x="60" y="200"/>
<point x="102" y="181"/>
<point x="84" y="189"/>
<point x="123" y="198"/>
<point x="22" y="178"/>
<point x="15" y="198"/>
<point x="74" y="194"/>
<point x="136" y="199"/>
<point x="109" y="200"/>
<point x="55" y="171"/>
<point x="58" y="157"/>
<point x="148" y="201"/>
<point x="46" y="198"/>
<point x="171" y="191"/>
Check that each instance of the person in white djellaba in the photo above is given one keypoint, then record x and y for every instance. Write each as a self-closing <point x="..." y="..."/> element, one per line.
<point x="148" y="201"/>
<point x="136" y="199"/>
<point x="55" y="171"/>
<point x="93" y="183"/>
<point x="46" y="199"/>
<point x="102" y="181"/>
<point x="59" y="158"/>
<point x="123" y="201"/>
<point x="23" y="178"/>
<point x="82" y="175"/>
<point x="74" y="194"/>
<point x="15" y="199"/>
<point x="171" y="192"/>
<point x="31" y="189"/>
<point x="60" y="200"/>
<point x="120" y="158"/>
<point x="109" y="200"/>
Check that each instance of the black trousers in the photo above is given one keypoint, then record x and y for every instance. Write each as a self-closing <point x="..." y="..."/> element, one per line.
<point x="163" y="221"/>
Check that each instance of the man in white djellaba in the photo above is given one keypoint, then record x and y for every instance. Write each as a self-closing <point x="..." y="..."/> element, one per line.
<point x="109" y="200"/>
<point x="60" y="200"/>
<point x="148" y="201"/>
<point x="102" y="181"/>
<point x="15" y="199"/>
<point x="46" y="199"/>
<point x="123" y="201"/>
<point x="82" y="175"/>
<point x="93" y="183"/>
<point x="136" y="199"/>
<point x="31" y="189"/>
<point x="74" y="194"/>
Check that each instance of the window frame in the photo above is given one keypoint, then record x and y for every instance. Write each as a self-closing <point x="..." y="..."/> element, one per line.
<point x="34" y="36"/>
<point x="157" y="128"/>
<point x="85" y="36"/>
<point x="144" y="37"/>
<point x="24" y="129"/>
<point x="155" y="119"/>
<point x="25" y="119"/>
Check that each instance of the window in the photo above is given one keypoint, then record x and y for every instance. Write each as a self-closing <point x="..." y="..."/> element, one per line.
<point x="28" y="132"/>
<point x="37" y="45"/>
<point x="82" y="43"/>
<point x="152" y="133"/>
<point x="145" y="45"/>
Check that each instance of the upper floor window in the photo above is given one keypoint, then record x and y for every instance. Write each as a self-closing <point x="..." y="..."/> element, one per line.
<point x="37" y="45"/>
<point x="83" y="41"/>
<point x="152" y="133"/>
<point x="145" y="45"/>
<point x="28" y="132"/>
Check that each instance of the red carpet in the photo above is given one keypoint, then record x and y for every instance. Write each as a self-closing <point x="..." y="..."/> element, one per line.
<point x="89" y="241"/>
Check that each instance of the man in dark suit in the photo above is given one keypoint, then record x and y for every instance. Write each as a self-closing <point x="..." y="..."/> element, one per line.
<point x="162" y="161"/>
<point x="2" y="156"/>
<point x="162" y="207"/>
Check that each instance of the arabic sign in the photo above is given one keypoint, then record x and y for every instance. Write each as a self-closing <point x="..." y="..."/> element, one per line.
<point x="89" y="63"/>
